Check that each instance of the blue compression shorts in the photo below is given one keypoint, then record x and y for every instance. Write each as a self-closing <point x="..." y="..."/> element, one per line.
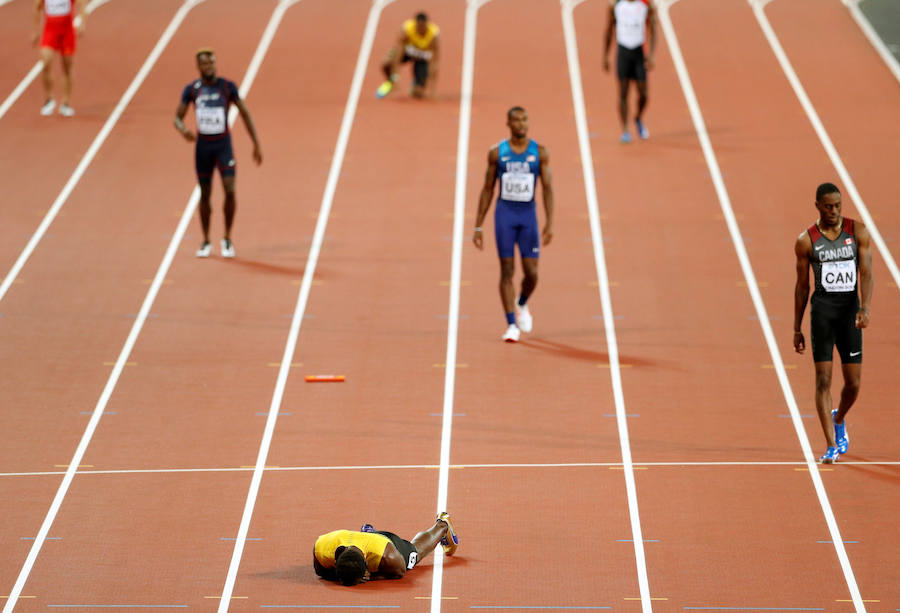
<point x="516" y="224"/>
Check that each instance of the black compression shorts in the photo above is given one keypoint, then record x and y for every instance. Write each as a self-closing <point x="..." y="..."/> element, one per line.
<point x="420" y="70"/>
<point x="406" y="549"/>
<point x="212" y="154"/>
<point x="630" y="64"/>
<point x="835" y="325"/>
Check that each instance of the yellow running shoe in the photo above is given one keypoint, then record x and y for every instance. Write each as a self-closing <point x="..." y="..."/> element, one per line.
<point x="450" y="541"/>
<point x="384" y="89"/>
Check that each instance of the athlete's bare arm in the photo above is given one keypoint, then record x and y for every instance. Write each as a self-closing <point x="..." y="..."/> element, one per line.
<point x="248" y="121"/>
<point x="487" y="193"/>
<point x="547" y="192"/>
<point x="610" y="28"/>
<point x="392" y="565"/>
<point x="395" y="55"/>
<point x="38" y="13"/>
<point x="179" y="123"/>
<point x="651" y="25"/>
<point x="802" y="249"/>
<point x="864" y="251"/>
<point x="431" y="86"/>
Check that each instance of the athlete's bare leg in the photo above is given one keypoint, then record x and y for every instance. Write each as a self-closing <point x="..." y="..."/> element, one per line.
<point x="642" y="98"/>
<point x="47" y="72"/>
<point x="530" y="266"/>
<point x="230" y="204"/>
<point x="623" y="101"/>
<point x="823" y="400"/>
<point x="850" y="391"/>
<point x="425" y="542"/>
<point x="205" y="209"/>
<point x="507" y="291"/>
<point x="67" y="63"/>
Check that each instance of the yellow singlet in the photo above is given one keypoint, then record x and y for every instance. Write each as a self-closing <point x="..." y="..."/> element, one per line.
<point x="417" y="46"/>
<point x="372" y="546"/>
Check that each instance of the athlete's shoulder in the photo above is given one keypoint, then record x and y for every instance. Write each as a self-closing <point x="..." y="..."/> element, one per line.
<point x="433" y="28"/>
<point x="409" y="26"/>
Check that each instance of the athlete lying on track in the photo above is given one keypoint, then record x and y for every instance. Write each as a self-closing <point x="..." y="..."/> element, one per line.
<point x="354" y="557"/>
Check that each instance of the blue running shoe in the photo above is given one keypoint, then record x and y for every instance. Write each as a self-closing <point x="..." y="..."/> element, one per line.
<point x="831" y="456"/>
<point x="840" y="434"/>
<point x="626" y="137"/>
<point x="642" y="130"/>
<point x="367" y="528"/>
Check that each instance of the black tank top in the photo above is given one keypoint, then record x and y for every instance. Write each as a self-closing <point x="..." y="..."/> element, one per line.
<point x="835" y="265"/>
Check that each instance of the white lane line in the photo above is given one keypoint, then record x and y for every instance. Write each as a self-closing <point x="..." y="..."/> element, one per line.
<point x="36" y="69"/>
<point x="98" y="142"/>
<point x="3" y="2"/>
<point x="829" y="147"/>
<point x="882" y="49"/>
<point x="758" y="304"/>
<point x="590" y="190"/>
<point x="459" y="213"/>
<point x="305" y="286"/>
<point x="140" y="471"/>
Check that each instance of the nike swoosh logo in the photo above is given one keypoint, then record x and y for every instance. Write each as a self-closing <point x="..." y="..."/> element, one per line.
<point x="819" y="247"/>
<point x="853" y="355"/>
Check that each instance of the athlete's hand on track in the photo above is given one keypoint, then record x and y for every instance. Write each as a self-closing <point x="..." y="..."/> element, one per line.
<point x="78" y="22"/>
<point x="257" y="155"/>
<point x="649" y="63"/>
<point x="189" y="136"/>
<point x="35" y="37"/>
<point x="478" y="239"/>
<point x="799" y="342"/>
<point x="862" y="319"/>
<point x="606" y="64"/>
<point x="546" y="235"/>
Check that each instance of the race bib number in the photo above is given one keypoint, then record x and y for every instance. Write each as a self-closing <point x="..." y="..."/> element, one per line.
<point x="57" y="8"/>
<point x="417" y="54"/>
<point x="211" y="120"/>
<point x="517" y="187"/>
<point x="839" y="276"/>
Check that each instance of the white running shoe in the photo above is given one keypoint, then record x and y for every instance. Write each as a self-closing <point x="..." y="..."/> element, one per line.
<point x="512" y="334"/>
<point x="227" y="248"/>
<point x="204" y="250"/>
<point x="523" y="317"/>
<point x="66" y="111"/>
<point x="48" y="107"/>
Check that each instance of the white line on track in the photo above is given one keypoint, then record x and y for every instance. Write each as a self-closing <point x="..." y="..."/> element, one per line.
<point x="98" y="142"/>
<point x="36" y="69"/>
<point x="882" y="49"/>
<point x="3" y="2"/>
<point x="305" y="285"/>
<point x="829" y="147"/>
<point x="590" y="188"/>
<point x="459" y="212"/>
<point x="140" y="471"/>
<point x="753" y="287"/>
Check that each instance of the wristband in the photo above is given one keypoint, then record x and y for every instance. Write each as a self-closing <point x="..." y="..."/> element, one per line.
<point x="478" y="229"/>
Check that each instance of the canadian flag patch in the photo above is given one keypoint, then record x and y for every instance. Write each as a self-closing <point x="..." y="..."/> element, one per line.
<point x="848" y="241"/>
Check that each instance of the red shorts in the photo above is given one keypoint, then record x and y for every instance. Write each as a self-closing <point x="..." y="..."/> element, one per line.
<point x="59" y="34"/>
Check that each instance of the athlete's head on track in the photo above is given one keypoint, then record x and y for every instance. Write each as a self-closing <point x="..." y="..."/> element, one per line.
<point x="517" y="120"/>
<point x="828" y="203"/>
<point x="350" y="565"/>
<point x="206" y="63"/>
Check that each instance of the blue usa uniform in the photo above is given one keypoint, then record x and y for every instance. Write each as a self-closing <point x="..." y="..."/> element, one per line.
<point x="211" y="104"/>
<point x="515" y="218"/>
